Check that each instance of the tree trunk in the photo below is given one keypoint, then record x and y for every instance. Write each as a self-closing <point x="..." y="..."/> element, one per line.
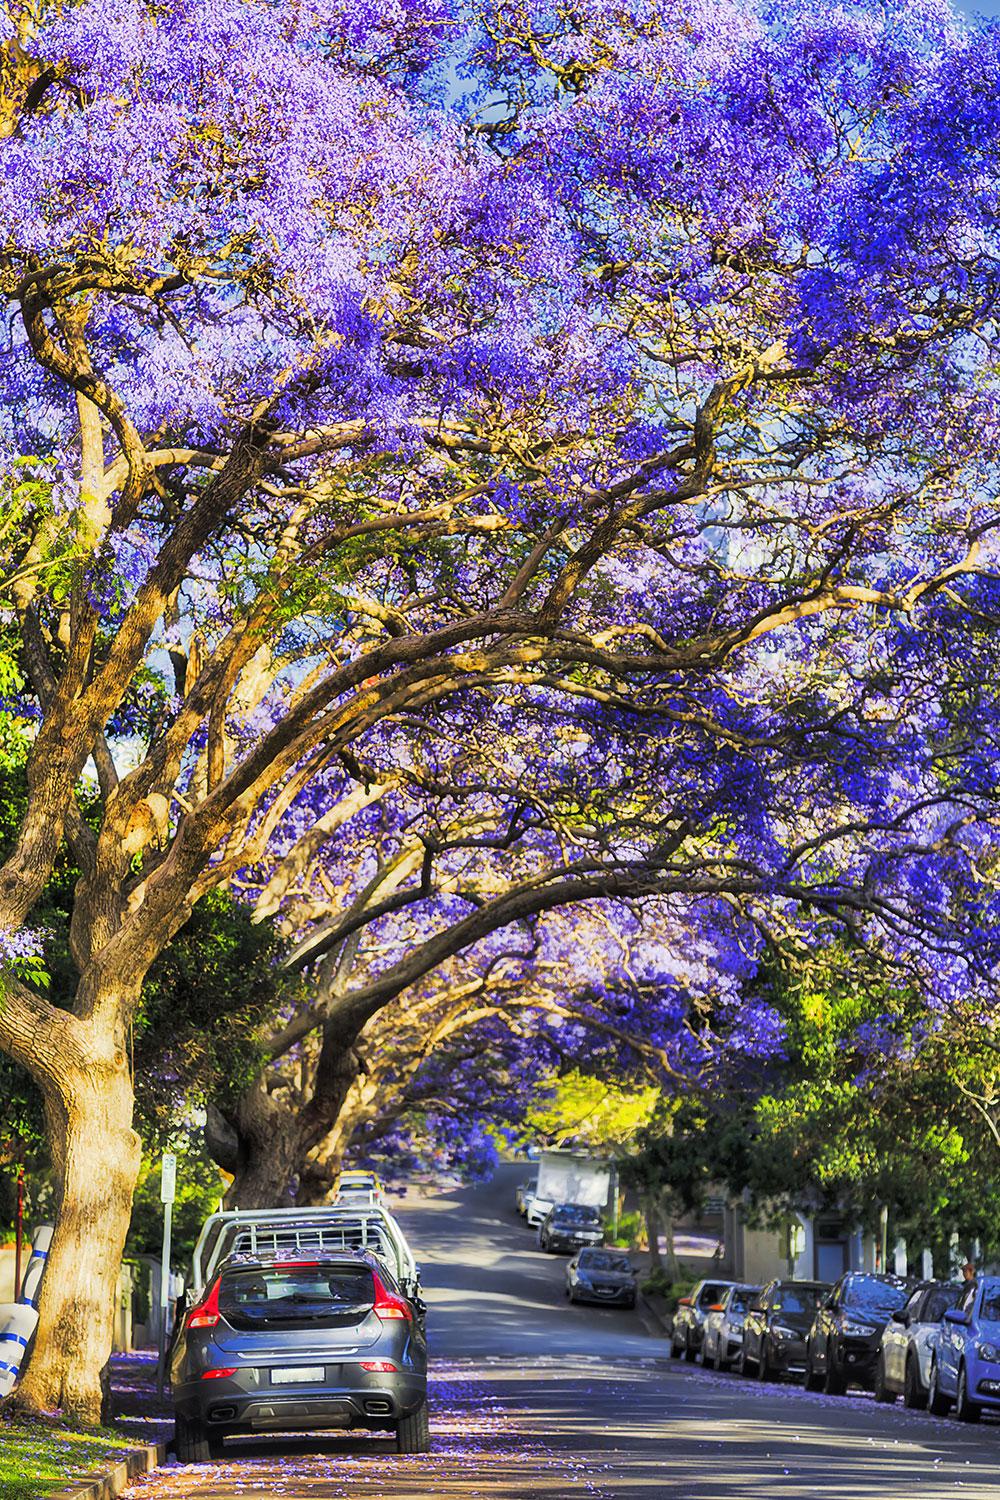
<point x="267" y="1155"/>
<point x="97" y="1157"/>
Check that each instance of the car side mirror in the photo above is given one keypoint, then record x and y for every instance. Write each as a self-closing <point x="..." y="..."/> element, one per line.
<point x="715" y="1307"/>
<point x="899" y="1316"/>
<point x="954" y="1316"/>
<point x="829" y="1304"/>
<point x="683" y="1301"/>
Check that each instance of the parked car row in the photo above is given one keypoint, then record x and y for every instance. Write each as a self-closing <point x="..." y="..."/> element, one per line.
<point x="935" y="1343"/>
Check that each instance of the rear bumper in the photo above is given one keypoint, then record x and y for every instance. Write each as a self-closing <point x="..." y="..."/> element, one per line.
<point x="226" y="1408"/>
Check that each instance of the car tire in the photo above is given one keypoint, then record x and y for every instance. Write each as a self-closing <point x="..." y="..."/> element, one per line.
<point x="676" y="1350"/>
<point x="813" y="1380"/>
<point x="965" y="1410"/>
<point x="718" y="1363"/>
<point x="834" y="1383"/>
<point x="736" y="1363"/>
<point x="699" y="1357"/>
<point x="914" y="1395"/>
<point x="630" y="1303"/>
<point x="690" y="1354"/>
<point x="413" y="1433"/>
<point x="765" y="1370"/>
<point x="190" y="1442"/>
<point x="938" y="1403"/>
<point x="883" y="1395"/>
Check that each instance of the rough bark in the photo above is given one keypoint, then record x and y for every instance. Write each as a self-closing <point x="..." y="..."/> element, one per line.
<point x="97" y="1155"/>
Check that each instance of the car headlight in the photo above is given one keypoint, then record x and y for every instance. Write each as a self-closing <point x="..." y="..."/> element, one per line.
<point x="989" y="1351"/>
<point x="857" y="1330"/>
<point x="782" y="1331"/>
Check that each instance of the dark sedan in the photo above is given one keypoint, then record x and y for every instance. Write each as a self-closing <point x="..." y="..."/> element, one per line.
<point x="286" y="1345"/>
<point x="844" y="1340"/>
<point x="601" y="1276"/>
<point x="570" y="1226"/>
<point x="776" y="1325"/>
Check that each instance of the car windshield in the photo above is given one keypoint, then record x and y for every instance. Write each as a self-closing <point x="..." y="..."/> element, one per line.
<point x="711" y="1292"/>
<point x="796" y="1300"/>
<point x="601" y="1260"/>
<point x="868" y="1294"/>
<point x="742" y="1297"/>
<point x="576" y="1215"/>
<point x="323" y="1295"/>
<point x="939" y="1302"/>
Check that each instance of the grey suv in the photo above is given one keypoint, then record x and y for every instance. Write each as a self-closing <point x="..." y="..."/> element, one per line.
<point x="288" y="1344"/>
<point x="689" y="1320"/>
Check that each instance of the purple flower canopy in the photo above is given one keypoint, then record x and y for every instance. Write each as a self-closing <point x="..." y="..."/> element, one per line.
<point x="671" y="329"/>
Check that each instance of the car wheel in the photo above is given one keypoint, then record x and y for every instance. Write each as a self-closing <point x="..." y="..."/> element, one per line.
<point x="914" y="1395"/>
<point x="569" y="1294"/>
<point x="413" y="1433"/>
<point x="630" y="1302"/>
<point x="676" y="1349"/>
<point x="937" y="1402"/>
<point x="965" y="1410"/>
<point x="883" y="1395"/>
<point x="765" y="1370"/>
<point x="736" y="1363"/>
<point x="834" y="1383"/>
<point x="718" y="1363"/>
<point x="699" y="1357"/>
<point x="190" y="1441"/>
<point x="813" y="1378"/>
<point x="690" y="1353"/>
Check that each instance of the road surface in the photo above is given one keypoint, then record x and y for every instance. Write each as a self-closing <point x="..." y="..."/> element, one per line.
<point x="533" y="1397"/>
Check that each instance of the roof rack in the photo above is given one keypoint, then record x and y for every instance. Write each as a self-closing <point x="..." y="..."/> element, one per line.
<point x="358" y="1227"/>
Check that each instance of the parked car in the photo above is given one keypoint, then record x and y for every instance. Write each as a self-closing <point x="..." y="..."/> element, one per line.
<point x="843" y="1343"/>
<point x="601" y="1276"/>
<point x="525" y="1192"/>
<point x="570" y="1226"/>
<point x="909" y="1343"/>
<point x="722" y="1344"/>
<point x="966" y="1365"/>
<point x="777" y="1323"/>
<point x="689" y="1320"/>
<point x="287" y="1344"/>
<point x="537" y="1210"/>
<point x="353" y="1186"/>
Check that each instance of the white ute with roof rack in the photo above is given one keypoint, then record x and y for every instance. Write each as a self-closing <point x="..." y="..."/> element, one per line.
<point x="281" y="1231"/>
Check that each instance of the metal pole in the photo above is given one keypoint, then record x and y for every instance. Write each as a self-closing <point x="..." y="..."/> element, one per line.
<point x="614" y="1201"/>
<point x="161" y="1358"/>
<point x="19" y="1240"/>
<point x="168" y="1172"/>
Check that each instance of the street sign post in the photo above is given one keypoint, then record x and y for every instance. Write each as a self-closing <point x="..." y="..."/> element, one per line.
<point x="168" y="1191"/>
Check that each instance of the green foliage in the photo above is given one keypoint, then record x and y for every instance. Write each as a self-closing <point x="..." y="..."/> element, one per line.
<point x="577" y="1106"/>
<point x="200" y="1185"/>
<point x="874" y="1106"/>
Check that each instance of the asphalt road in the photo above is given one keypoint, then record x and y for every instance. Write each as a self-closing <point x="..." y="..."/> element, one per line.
<point x="533" y="1397"/>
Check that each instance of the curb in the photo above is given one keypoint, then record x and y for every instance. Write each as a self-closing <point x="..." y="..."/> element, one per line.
<point x="108" y="1485"/>
<point x="654" y="1317"/>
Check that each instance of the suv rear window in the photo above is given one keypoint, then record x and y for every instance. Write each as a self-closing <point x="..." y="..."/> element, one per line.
<point x="712" y="1292"/>
<point x="324" y="1295"/>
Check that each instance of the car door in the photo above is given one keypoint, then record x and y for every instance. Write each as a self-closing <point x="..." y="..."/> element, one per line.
<point x="820" y="1342"/>
<point x="895" y="1338"/>
<point x="951" y="1341"/>
<point x="756" y="1323"/>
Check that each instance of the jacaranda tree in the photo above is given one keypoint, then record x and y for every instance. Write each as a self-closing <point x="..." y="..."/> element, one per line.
<point x="620" y="377"/>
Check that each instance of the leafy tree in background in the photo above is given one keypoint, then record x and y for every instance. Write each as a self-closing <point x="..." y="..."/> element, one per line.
<point x="626" y="422"/>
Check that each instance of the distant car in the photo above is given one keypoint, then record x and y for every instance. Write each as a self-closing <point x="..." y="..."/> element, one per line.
<point x="722" y="1345"/>
<point x="774" y="1335"/>
<point x="601" y="1276"/>
<point x="689" y="1320"/>
<point x="525" y="1192"/>
<point x="844" y="1340"/>
<point x="909" y="1344"/>
<point x="570" y="1226"/>
<point x="537" y="1209"/>
<point x="295" y="1343"/>
<point x="966" y="1364"/>
<point x="356" y="1186"/>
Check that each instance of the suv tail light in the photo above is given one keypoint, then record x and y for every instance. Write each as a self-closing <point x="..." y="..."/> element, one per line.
<point x="387" y="1304"/>
<point x="384" y="1365"/>
<point x="206" y="1314"/>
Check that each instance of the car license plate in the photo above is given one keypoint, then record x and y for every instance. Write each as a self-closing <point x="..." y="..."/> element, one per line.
<point x="298" y="1375"/>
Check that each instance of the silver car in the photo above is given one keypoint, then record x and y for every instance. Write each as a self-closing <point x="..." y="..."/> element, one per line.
<point x="722" y="1345"/>
<point x="909" y="1341"/>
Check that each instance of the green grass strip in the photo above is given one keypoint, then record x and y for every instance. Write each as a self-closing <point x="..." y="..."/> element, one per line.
<point x="36" y="1459"/>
